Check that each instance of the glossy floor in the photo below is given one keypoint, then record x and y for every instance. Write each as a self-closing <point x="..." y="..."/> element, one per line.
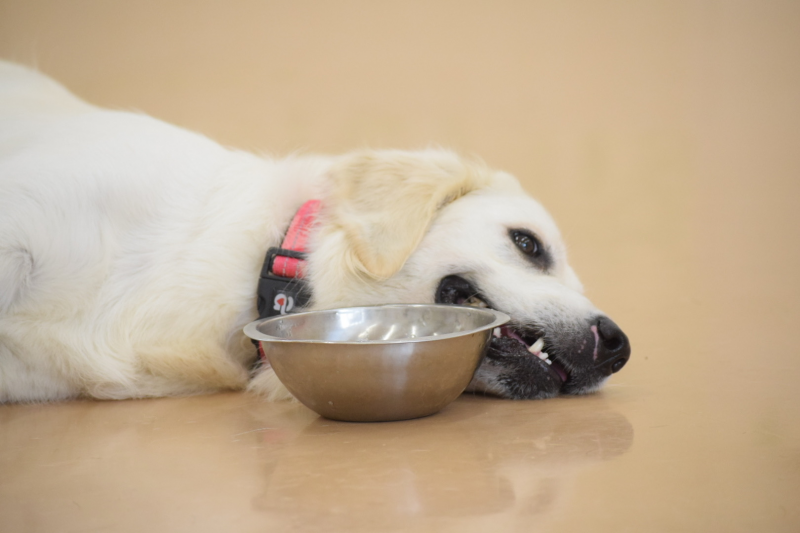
<point x="664" y="138"/>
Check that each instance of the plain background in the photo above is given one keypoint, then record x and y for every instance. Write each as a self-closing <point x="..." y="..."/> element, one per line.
<point x="664" y="136"/>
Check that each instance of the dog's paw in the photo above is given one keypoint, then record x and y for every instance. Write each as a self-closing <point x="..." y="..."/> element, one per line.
<point x="265" y="383"/>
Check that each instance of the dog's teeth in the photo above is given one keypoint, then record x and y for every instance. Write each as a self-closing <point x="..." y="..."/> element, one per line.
<point x="548" y="361"/>
<point x="537" y="346"/>
<point x="542" y="355"/>
<point x="497" y="333"/>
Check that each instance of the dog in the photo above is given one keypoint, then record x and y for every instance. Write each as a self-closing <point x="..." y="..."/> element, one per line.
<point x="130" y="253"/>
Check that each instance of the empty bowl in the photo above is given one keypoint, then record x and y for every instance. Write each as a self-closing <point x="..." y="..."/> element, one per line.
<point x="381" y="363"/>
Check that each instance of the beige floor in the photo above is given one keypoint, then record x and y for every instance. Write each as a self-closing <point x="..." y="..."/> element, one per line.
<point x="664" y="137"/>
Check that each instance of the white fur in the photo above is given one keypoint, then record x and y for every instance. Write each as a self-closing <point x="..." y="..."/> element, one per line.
<point x="130" y="249"/>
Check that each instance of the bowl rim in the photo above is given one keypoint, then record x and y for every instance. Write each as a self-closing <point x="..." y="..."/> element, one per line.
<point x="500" y="318"/>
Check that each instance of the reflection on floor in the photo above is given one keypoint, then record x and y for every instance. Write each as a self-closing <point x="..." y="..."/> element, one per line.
<point x="232" y="459"/>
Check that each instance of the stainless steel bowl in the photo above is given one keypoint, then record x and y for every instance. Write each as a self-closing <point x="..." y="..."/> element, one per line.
<point x="367" y="364"/>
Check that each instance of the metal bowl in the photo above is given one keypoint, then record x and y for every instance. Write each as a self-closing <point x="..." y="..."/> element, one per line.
<point x="368" y="364"/>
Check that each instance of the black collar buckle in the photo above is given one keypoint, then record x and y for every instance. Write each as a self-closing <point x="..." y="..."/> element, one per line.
<point x="279" y="295"/>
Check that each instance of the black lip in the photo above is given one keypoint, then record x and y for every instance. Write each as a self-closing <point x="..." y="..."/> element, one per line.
<point x="455" y="290"/>
<point x="515" y="349"/>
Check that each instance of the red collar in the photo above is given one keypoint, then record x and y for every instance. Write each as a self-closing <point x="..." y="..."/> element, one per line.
<point x="296" y="240"/>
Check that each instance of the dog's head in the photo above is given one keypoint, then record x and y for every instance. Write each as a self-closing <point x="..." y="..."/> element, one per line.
<point x="419" y="227"/>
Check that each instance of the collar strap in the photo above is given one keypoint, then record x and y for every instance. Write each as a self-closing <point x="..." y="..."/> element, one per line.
<point x="281" y="287"/>
<point x="292" y="265"/>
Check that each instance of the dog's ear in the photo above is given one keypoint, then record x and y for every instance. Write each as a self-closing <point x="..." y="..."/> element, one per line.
<point x="384" y="201"/>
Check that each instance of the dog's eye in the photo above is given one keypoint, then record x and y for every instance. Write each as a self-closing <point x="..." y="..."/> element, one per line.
<point x="526" y="243"/>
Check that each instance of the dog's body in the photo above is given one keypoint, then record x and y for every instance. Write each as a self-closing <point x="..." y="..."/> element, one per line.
<point x="130" y="252"/>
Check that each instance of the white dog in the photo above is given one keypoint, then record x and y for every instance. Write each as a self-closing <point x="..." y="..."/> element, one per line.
<point x="130" y="253"/>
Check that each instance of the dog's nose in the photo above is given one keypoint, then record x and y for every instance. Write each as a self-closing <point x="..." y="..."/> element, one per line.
<point x="613" y="347"/>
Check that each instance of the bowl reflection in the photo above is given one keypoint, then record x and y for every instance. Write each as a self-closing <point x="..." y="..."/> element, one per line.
<point x="475" y="459"/>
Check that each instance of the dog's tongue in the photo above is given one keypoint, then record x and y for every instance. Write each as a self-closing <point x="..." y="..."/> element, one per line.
<point x="560" y="370"/>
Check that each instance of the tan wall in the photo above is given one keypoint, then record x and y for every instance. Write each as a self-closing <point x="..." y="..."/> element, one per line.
<point x="663" y="135"/>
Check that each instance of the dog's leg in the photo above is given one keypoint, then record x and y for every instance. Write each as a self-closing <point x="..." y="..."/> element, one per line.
<point x="16" y="267"/>
<point x="267" y="384"/>
<point x="20" y="383"/>
<point x="20" y="379"/>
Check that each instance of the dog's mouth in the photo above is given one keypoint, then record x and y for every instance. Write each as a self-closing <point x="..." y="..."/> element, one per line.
<point x="512" y="340"/>
<point x="533" y="344"/>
